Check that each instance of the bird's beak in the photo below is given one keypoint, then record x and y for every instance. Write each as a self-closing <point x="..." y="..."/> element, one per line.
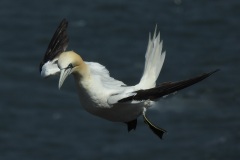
<point x="64" y="73"/>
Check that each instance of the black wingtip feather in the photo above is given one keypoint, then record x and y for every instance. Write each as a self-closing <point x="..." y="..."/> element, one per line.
<point x="58" y="43"/>
<point x="166" y="88"/>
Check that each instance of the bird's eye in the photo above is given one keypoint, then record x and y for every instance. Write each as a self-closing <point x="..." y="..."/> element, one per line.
<point x="70" y="65"/>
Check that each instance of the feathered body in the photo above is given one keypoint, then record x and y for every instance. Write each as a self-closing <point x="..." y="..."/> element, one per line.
<point x="104" y="96"/>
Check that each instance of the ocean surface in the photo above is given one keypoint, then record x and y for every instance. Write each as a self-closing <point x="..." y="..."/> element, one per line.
<point x="40" y="122"/>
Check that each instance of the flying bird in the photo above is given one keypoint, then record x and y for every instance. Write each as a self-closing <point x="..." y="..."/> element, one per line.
<point x="104" y="96"/>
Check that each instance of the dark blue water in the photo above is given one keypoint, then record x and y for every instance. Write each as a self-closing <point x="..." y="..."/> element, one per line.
<point x="37" y="121"/>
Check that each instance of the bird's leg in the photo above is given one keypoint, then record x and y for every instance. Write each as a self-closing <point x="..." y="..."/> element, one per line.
<point x="158" y="131"/>
<point x="132" y="125"/>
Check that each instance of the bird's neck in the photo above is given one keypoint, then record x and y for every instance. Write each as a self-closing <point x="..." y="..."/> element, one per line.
<point x="82" y="72"/>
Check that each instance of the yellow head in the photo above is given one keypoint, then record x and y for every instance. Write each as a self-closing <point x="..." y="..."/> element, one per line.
<point x="68" y="63"/>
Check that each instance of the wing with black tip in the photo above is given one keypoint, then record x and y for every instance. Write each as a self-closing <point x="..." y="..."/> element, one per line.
<point x="57" y="45"/>
<point x="164" y="89"/>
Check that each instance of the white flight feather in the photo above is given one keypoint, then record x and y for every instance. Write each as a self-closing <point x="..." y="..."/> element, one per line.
<point x="154" y="59"/>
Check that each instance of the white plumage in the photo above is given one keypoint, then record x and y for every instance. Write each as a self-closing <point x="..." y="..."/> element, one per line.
<point x="154" y="59"/>
<point x="104" y="96"/>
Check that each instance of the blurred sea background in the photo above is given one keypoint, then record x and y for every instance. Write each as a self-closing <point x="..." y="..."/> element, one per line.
<point x="39" y="122"/>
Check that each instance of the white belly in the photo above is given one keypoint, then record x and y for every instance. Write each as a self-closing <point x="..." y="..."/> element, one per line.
<point x="94" y="101"/>
<point x="121" y="112"/>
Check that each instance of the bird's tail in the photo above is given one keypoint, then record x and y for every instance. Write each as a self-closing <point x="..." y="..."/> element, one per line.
<point x="154" y="59"/>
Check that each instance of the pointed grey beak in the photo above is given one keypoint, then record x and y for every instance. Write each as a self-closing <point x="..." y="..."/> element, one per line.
<point x="64" y="73"/>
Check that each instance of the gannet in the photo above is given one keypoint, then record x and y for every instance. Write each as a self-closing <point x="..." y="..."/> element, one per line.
<point x="104" y="96"/>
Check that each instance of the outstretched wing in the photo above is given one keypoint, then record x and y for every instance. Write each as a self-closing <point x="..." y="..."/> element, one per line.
<point x="164" y="89"/>
<point x="57" y="45"/>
